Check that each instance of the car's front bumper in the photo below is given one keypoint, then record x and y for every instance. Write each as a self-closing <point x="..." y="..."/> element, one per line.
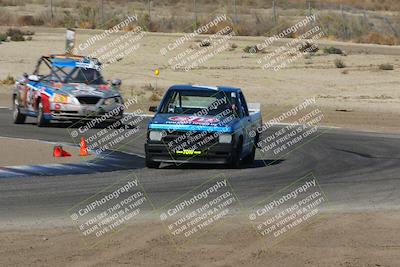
<point x="81" y="112"/>
<point x="214" y="154"/>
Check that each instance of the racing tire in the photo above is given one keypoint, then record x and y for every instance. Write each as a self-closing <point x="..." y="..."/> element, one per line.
<point x="249" y="159"/>
<point x="41" y="121"/>
<point x="152" y="164"/>
<point x="18" y="117"/>
<point x="236" y="161"/>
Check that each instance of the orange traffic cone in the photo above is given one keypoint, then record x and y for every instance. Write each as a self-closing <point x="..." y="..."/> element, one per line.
<point x="83" y="151"/>
<point x="58" y="152"/>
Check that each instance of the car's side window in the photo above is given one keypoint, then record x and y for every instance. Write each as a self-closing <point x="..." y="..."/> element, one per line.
<point x="245" y="109"/>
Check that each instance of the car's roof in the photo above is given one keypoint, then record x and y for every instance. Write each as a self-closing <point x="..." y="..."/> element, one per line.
<point x="204" y="87"/>
<point x="67" y="56"/>
<point x="64" y="60"/>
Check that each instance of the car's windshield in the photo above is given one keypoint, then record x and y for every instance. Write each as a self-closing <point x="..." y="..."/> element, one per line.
<point x="198" y="102"/>
<point x="77" y="75"/>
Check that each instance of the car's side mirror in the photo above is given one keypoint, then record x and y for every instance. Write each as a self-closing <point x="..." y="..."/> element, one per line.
<point x="33" y="78"/>
<point x="116" y="82"/>
<point x="153" y="108"/>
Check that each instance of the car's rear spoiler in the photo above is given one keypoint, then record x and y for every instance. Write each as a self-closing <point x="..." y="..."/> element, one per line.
<point x="254" y="107"/>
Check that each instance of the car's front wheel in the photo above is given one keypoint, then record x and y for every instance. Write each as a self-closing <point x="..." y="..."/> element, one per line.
<point x="18" y="117"/>
<point x="152" y="164"/>
<point x="41" y="121"/>
<point x="236" y="160"/>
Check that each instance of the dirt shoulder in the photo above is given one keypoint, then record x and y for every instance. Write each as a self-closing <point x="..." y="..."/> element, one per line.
<point x="31" y="152"/>
<point x="331" y="239"/>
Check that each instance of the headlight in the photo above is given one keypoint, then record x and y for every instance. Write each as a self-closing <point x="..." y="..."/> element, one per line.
<point x="155" y="135"/>
<point x="60" y="99"/>
<point x="225" y="138"/>
<point x="112" y="100"/>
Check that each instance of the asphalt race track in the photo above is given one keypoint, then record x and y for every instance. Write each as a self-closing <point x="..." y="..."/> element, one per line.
<point x="355" y="170"/>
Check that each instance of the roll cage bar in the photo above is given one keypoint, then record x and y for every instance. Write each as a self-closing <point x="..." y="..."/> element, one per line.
<point x="55" y="70"/>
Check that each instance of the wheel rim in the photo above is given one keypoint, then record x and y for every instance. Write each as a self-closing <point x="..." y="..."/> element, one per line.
<point x="40" y="112"/>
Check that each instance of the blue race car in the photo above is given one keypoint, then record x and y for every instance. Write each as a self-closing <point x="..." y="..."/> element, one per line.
<point x="202" y="124"/>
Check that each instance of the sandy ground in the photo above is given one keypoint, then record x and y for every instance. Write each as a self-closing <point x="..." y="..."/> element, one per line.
<point x="331" y="239"/>
<point x="31" y="152"/>
<point x="367" y="98"/>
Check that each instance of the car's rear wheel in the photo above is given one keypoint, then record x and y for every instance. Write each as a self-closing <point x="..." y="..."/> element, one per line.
<point x="249" y="159"/>
<point x="41" y="121"/>
<point x="18" y="117"/>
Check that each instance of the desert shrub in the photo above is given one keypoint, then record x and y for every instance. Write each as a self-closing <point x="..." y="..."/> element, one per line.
<point x="386" y="66"/>
<point x="261" y="25"/>
<point x="155" y="97"/>
<point x="13" y="31"/>
<point x="8" y="80"/>
<point x="87" y="25"/>
<point x="68" y="20"/>
<point x="281" y="26"/>
<point x="16" y="35"/>
<point x="219" y="27"/>
<point x="308" y="47"/>
<point x="87" y="17"/>
<point x="3" y="37"/>
<point x="339" y="63"/>
<point x="17" y="38"/>
<point x="26" y="20"/>
<point x="148" y="87"/>
<point x="333" y="50"/>
<point x="205" y="43"/>
<point x="28" y="32"/>
<point x="251" y="49"/>
<point x="377" y="38"/>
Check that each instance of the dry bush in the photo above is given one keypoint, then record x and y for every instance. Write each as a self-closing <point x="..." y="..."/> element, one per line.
<point x="8" y="80"/>
<point x="386" y="66"/>
<point x="3" y="37"/>
<point x="220" y="26"/>
<point x="333" y="50"/>
<point x="148" y="87"/>
<point x="261" y="25"/>
<point x="25" y="20"/>
<point x="339" y="63"/>
<point x="377" y="38"/>
<point x="155" y="96"/>
<point x="28" y="20"/>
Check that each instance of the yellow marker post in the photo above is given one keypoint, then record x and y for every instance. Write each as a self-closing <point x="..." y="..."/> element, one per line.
<point x="156" y="72"/>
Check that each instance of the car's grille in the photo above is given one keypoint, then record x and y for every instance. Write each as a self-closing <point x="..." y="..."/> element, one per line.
<point x="181" y="140"/>
<point x="88" y="100"/>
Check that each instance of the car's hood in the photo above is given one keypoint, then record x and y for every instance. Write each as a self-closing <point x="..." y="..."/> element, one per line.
<point x="192" y="122"/>
<point x="79" y="89"/>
